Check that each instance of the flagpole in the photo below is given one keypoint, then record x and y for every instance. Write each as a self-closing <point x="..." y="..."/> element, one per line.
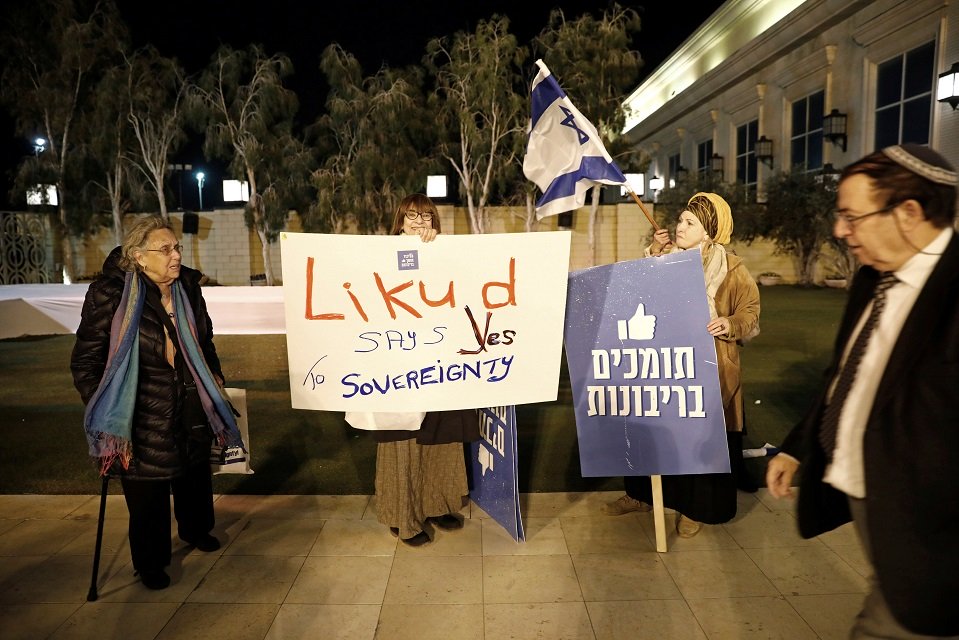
<point x="643" y="207"/>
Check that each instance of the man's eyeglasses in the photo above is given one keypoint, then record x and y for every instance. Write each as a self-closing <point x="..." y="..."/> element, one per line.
<point x="167" y="250"/>
<point x="413" y="215"/>
<point x="852" y="220"/>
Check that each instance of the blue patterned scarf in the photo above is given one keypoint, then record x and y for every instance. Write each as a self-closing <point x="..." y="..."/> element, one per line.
<point x="108" y="419"/>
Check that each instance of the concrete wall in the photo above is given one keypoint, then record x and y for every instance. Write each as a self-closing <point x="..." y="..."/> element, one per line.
<point x="229" y="253"/>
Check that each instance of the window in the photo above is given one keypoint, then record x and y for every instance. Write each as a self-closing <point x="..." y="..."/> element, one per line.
<point x="673" y="170"/>
<point x="806" y="142"/>
<point x="704" y="154"/>
<point x="746" y="136"/>
<point x="904" y="97"/>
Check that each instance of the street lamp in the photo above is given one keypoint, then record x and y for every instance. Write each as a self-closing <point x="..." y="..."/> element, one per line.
<point x="39" y="146"/>
<point x="200" y="177"/>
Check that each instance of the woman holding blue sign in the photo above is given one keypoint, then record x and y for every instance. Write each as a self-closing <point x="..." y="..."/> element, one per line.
<point x="421" y="473"/>
<point x="733" y="299"/>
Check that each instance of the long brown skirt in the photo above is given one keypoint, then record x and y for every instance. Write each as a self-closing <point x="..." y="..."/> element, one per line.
<point x="416" y="481"/>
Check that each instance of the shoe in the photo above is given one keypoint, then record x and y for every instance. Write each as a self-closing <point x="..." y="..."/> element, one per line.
<point x="625" y="504"/>
<point x="687" y="528"/>
<point x="448" y="521"/>
<point x="155" y="580"/>
<point x="206" y="543"/>
<point x="418" y="540"/>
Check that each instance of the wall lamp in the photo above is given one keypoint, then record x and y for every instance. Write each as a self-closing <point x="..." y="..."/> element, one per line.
<point x="656" y="183"/>
<point x="764" y="151"/>
<point x="829" y="176"/>
<point x="948" y="86"/>
<point x="716" y="165"/>
<point x="834" y="128"/>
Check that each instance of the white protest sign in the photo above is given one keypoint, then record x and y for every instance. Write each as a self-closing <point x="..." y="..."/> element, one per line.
<point x="390" y="323"/>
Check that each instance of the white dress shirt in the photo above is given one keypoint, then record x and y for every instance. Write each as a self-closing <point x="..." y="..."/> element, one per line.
<point x="846" y="471"/>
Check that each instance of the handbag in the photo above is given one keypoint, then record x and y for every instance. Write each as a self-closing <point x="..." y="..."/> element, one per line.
<point x="234" y="459"/>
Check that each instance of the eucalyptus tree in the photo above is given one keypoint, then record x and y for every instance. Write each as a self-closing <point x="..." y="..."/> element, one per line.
<point x="114" y="182"/>
<point x="593" y="60"/>
<point x="480" y="103"/>
<point x="375" y="139"/>
<point x="247" y="116"/>
<point x="155" y="92"/>
<point x="48" y="81"/>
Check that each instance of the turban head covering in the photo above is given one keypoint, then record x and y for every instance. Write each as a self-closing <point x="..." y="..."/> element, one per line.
<point x="714" y="214"/>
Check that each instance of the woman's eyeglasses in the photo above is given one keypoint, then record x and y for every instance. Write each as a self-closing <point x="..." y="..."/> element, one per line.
<point x="413" y="215"/>
<point x="167" y="250"/>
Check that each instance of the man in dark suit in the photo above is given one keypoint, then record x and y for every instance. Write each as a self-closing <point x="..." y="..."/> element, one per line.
<point x="880" y="445"/>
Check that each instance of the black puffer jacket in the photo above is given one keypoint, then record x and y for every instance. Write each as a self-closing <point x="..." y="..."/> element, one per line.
<point x="162" y="445"/>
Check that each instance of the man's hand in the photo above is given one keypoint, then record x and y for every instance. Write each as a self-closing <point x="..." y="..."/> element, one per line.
<point x="779" y="475"/>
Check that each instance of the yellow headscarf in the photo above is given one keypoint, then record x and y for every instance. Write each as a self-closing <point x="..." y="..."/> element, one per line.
<point x="714" y="214"/>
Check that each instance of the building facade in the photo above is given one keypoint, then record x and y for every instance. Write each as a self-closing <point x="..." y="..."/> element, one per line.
<point x="769" y="85"/>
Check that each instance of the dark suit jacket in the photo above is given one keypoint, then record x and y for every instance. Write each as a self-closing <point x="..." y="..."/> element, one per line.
<point x="911" y="455"/>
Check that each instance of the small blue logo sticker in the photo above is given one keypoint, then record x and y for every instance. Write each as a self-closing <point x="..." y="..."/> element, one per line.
<point x="406" y="260"/>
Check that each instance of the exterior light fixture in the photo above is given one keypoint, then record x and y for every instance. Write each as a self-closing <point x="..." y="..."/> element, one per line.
<point x="947" y="89"/>
<point x="829" y="176"/>
<point x="834" y="128"/>
<point x="764" y="151"/>
<point x="716" y="165"/>
<point x="681" y="173"/>
<point x="436" y="187"/>
<point x="200" y="178"/>
<point x="656" y="183"/>
<point x="39" y="145"/>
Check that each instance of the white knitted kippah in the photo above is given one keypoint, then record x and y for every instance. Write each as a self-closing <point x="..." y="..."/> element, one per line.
<point x="923" y="161"/>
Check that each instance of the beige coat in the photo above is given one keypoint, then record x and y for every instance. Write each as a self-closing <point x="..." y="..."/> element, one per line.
<point x="737" y="299"/>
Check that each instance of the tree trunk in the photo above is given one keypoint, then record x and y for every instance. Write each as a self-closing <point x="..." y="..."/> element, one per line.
<point x="161" y="199"/>
<point x="267" y="263"/>
<point x="66" y="242"/>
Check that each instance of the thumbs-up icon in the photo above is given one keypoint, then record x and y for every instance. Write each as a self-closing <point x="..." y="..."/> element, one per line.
<point x="639" y="327"/>
<point x="485" y="459"/>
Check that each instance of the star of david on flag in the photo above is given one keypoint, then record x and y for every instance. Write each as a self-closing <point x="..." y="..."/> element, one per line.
<point x="565" y="156"/>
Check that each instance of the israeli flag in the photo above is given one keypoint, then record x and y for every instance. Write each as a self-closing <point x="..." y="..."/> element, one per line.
<point x="565" y="156"/>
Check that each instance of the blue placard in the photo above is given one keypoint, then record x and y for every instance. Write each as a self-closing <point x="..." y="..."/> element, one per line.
<point x="643" y="369"/>
<point x="495" y="469"/>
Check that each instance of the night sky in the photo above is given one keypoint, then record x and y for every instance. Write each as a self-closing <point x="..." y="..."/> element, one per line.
<point x="377" y="32"/>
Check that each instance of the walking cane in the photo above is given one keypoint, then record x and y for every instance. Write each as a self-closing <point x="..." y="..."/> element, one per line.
<point x="92" y="593"/>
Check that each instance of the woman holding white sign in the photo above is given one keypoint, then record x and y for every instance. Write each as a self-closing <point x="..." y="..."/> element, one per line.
<point x="421" y="473"/>
<point x="733" y="298"/>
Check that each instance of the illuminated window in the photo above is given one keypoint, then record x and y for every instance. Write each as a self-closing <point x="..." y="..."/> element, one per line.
<point x="236" y="191"/>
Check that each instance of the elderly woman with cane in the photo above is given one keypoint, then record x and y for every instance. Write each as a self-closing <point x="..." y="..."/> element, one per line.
<point x="146" y="368"/>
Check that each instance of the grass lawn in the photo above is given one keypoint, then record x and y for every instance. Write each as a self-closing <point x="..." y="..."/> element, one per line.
<point x="304" y="452"/>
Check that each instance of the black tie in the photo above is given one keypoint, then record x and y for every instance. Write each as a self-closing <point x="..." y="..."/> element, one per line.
<point x="830" y="419"/>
